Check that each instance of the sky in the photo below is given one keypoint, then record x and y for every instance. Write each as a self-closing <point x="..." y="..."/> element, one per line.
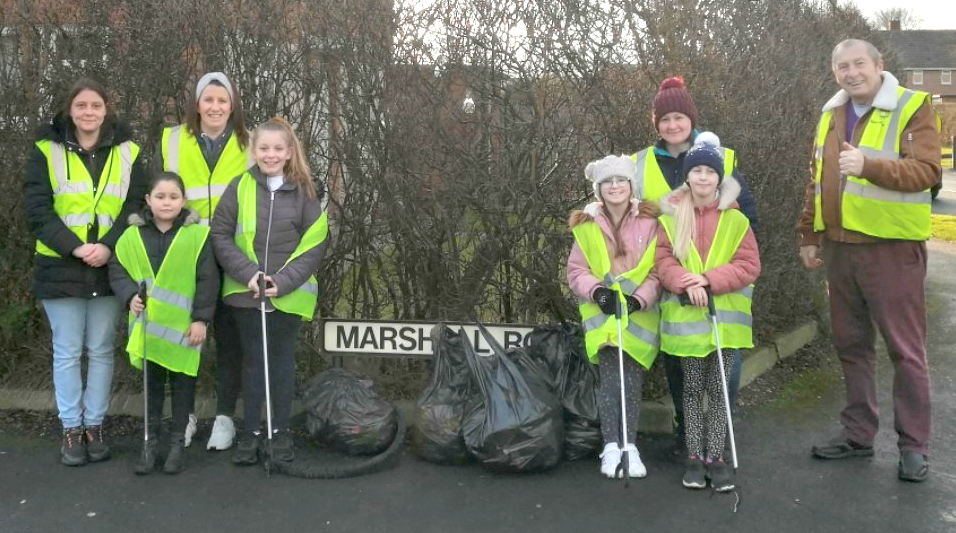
<point x="936" y="14"/>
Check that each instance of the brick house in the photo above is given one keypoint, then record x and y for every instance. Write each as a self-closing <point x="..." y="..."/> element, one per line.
<point x="927" y="59"/>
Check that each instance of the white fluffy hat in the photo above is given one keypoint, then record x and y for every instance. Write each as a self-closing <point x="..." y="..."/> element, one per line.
<point x="610" y="166"/>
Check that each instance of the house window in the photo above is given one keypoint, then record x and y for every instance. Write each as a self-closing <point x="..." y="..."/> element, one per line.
<point x="917" y="77"/>
<point x="946" y="77"/>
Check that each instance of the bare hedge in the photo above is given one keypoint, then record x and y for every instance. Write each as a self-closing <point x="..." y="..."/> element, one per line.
<point x="452" y="134"/>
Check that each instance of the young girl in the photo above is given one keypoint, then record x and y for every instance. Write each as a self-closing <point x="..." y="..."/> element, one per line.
<point x="705" y="247"/>
<point x="181" y="298"/>
<point x="210" y="150"/>
<point x="610" y="264"/>
<point x="269" y="221"/>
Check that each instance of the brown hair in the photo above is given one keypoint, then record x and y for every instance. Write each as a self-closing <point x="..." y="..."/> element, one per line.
<point x="236" y="118"/>
<point x="296" y="169"/>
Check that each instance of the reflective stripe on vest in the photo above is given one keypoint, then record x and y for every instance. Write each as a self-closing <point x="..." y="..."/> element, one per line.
<point x="639" y="329"/>
<point x="686" y="330"/>
<point x="651" y="179"/>
<point x="182" y="155"/>
<point x="73" y="198"/>
<point x="169" y="305"/>
<point x="302" y="300"/>
<point x="868" y="208"/>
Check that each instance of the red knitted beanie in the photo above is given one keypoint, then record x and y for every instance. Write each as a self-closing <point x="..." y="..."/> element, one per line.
<point x="673" y="96"/>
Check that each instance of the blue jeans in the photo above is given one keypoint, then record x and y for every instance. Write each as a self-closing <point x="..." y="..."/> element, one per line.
<point x="79" y="323"/>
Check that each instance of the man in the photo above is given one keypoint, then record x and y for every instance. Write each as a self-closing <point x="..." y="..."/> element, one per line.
<point x="876" y="155"/>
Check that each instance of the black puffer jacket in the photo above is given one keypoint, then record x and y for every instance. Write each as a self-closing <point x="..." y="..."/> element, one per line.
<point x="69" y="277"/>
<point x="292" y="214"/>
<point x="157" y="244"/>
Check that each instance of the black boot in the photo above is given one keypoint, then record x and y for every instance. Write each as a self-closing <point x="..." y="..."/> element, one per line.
<point x="174" y="460"/>
<point x="147" y="457"/>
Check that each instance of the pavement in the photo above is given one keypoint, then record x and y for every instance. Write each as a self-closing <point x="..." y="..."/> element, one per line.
<point x="945" y="202"/>
<point x="783" y="489"/>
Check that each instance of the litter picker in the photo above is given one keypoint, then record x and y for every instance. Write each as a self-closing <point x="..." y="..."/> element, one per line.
<point x="143" y="315"/>
<point x="265" y="371"/>
<point x="622" y="468"/>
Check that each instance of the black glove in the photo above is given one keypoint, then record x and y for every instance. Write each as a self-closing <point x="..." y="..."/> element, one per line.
<point x="605" y="299"/>
<point x="633" y="305"/>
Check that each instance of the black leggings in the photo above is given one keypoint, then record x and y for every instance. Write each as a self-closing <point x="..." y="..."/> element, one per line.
<point x="183" y="395"/>
<point x="282" y="330"/>
<point x="609" y="395"/>
<point x="228" y="359"/>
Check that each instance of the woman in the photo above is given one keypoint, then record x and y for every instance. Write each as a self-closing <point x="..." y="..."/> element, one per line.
<point x="659" y="172"/>
<point x="83" y="180"/>
<point x="208" y="152"/>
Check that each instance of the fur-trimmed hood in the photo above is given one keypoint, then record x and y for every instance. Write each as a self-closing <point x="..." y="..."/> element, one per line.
<point x="728" y="191"/>
<point x="186" y="217"/>
<point x="886" y="98"/>
<point x="639" y="208"/>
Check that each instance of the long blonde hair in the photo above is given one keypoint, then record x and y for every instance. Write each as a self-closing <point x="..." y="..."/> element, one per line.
<point x="685" y="225"/>
<point x="296" y="169"/>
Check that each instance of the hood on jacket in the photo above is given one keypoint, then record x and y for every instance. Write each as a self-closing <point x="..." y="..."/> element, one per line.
<point x="639" y="208"/>
<point x="886" y="98"/>
<point x="60" y="130"/>
<point x="728" y="191"/>
<point x="186" y="217"/>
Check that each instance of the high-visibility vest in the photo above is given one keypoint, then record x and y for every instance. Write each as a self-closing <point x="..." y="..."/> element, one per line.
<point x="866" y="207"/>
<point x="302" y="300"/>
<point x="649" y="175"/>
<point x="169" y="302"/>
<point x="73" y="197"/>
<point x="182" y="155"/>
<point x="638" y="329"/>
<point x="686" y="330"/>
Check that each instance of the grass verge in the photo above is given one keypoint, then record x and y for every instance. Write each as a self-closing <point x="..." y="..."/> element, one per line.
<point x="944" y="227"/>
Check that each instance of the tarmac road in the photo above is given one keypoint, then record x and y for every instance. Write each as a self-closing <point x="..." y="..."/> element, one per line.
<point x="783" y="488"/>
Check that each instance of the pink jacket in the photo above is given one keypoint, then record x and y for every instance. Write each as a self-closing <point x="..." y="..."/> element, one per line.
<point x="636" y="231"/>
<point x="742" y="270"/>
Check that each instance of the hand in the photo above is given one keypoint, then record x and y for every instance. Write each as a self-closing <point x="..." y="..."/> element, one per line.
<point x="694" y="280"/>
<point x="633" y="304"/>
<point x="606" y="299"/>
<point x="253" y="285"/>
<point x="698" y="296"/>
<point x="851" y="160"/>
<point x="82" y="250"/>
<point x="98" y="256"/>
<point x="272" y="290"/>
<point x="197" y="333"/>
<point x="136" y="305"/>
<point x="808" y="254"/>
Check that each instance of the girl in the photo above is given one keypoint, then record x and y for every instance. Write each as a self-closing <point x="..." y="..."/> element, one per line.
<point x="674" y="115"/>
<point x="610" y="264"/>
<point x="270" y="222"/>
<point x="180" y="302"/>
<point x="209" y="151"/>
<point x="705" y="247"/>
<point x="82" y="182"/>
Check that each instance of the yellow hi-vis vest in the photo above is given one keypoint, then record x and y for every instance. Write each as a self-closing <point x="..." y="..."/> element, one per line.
<point x="651" y="179"/>
<point x="73" y="197"/>
<point x="182" y="155"/>
<point x="302" y="300"/>
<point x="169" y="302"/>
<point x="638" y="329"/>
<point x="686" y="329"/>
<point x="865" y="207"/>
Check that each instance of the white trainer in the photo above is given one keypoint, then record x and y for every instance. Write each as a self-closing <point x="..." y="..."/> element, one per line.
<point x="635" y="468"/>
<point x="610" y="459"/>
<point x="190" y="431"/>
<point x="223" y="433"/>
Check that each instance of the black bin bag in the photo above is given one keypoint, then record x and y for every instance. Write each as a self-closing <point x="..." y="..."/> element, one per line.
<point x="560" y="349"/>
<point x="510" y="425"/>
<point x="344" y="411"/>
<point x="436" y="432"/>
